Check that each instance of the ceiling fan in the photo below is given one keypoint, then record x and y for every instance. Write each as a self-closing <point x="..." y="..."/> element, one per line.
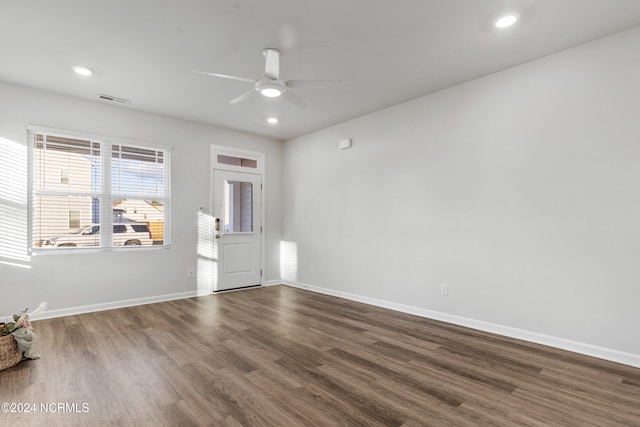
<point x="270" y="84"/>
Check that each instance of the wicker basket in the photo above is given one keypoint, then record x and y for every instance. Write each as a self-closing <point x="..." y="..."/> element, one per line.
<point x="9" y="353"/>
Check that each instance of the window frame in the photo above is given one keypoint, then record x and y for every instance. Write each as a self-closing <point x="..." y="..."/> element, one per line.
<point x="105" y="193"/>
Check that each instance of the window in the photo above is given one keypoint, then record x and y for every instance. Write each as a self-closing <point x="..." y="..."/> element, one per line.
<point x="119" y="229"/>
<point x="74" y="219"/>
<point x="140" y="228"/>
<point x="64" y="176"/>
<point x="79" y="183"/>
<point x="14" y="248"/>
<point x="238" y="207"/>
<point x="237" y="161"/>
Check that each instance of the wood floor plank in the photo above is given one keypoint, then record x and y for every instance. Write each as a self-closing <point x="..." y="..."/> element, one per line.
<point x="306" y="415"/>
<point x="279" y="356"/>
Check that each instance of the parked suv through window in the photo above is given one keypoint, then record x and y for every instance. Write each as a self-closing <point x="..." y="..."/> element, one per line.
<point x="127" y="234"/>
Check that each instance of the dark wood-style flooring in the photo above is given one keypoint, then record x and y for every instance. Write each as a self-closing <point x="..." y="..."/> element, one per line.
<point x="280" y="356"/>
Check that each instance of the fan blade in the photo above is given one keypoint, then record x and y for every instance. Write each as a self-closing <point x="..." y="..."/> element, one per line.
<point x="311" y="83"/>
<point x="292" y="98"/>
<point x="272" y="63"/>
<point x="243" y="96"/>
<point x="224" y="76"/>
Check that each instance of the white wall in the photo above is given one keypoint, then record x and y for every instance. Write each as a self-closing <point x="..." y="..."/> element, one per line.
<point x="520" y="190"/>
<point x="66" y="281"/>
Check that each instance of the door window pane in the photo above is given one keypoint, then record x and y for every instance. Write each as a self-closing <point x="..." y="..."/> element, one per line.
<point x="238" y="197"/>
<point x="237" y="161"/>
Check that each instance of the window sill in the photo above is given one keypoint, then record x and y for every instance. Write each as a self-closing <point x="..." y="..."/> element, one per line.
<point x="68" y="251"/>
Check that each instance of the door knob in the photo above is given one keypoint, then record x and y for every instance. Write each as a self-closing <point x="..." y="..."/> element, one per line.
<point x="217" y="236"/>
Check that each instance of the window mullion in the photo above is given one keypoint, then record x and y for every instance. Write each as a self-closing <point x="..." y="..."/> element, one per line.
<point x="106" y="206"/>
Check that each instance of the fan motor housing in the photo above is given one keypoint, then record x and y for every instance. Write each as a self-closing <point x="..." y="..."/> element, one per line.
<point x="269" y="87"/>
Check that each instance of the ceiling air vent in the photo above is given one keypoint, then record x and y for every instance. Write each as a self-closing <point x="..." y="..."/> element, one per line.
<point x="109" y="98"/>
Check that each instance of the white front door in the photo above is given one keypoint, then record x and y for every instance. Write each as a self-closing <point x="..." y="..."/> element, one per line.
<point x="238" y="229"/>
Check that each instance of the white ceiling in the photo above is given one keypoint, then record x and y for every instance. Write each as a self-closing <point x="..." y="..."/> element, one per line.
<point x="384" y="52"/>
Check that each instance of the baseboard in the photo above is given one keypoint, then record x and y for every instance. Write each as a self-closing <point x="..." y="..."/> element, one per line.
<point x="507" y="331"/>
<point x="49" y="314"/>
<point x="272" y="282"/>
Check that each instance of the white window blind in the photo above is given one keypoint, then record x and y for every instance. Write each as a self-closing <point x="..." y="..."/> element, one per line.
<point x="66" y="182"/>
<point x="139" y="186"/>
<point x="13" y="203"/>
<point x="91" y="192"/>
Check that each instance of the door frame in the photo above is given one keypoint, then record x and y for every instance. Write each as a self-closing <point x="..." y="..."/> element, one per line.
<point x="259" y="158"/>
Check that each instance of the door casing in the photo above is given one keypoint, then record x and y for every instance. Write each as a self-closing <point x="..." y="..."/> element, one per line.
<point x="258" y="169"/>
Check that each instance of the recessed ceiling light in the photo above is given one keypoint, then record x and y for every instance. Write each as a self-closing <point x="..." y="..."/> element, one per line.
<point x="272" y="120"/>
<point x="82" y="70"/>
<point x="506" y="20"/>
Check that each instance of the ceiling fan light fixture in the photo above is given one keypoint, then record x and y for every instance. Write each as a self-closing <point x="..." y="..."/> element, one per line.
<point x="82" y="70"/>
<point x="506" y="20"/>
<point x="270" y="85"/>
<point x="271" y="92"/>
<point x="270" y="88"/>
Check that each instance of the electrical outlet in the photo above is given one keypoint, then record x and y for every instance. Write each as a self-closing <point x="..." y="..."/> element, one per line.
<point x="312" y="268"/>
<point x="190" y="273"/>
<point x="444" y="289"/>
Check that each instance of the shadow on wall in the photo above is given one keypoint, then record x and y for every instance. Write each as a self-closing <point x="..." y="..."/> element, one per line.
<point x="14" y="219"/>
